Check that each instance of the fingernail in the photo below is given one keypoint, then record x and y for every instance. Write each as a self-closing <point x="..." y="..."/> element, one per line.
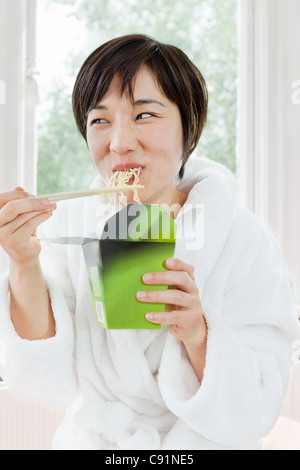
<point x="147" y="277"/>
<point x="46" y="202"/>
<point x="170" y="262"/>
<point x="141" y="294"/>
<point x="149" y="316"/>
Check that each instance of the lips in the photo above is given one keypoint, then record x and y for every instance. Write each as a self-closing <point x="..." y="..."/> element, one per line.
<point x="127" y="166"/>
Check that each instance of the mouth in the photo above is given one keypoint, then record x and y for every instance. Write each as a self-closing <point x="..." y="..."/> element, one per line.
<point x="127" y="166"/>
<point x="126" y="173"/>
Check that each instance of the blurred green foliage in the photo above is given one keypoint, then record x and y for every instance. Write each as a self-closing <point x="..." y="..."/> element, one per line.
<point x="205" y="29"/>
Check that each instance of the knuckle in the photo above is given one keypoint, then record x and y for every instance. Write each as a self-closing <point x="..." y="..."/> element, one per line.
<point x="4" y="198"/>
<point x="10" y="209"/>
<point x="11" y="196"/>
<point x="179" y="297"/>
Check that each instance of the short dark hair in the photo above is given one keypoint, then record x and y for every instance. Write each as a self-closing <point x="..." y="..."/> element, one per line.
<point x="177" y="77"/>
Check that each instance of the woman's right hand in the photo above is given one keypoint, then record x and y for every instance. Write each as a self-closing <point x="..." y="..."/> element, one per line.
<point x="20" y="215"/>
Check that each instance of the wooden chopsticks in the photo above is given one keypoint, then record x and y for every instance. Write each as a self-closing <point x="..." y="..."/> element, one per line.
<point x="89" y="192"/>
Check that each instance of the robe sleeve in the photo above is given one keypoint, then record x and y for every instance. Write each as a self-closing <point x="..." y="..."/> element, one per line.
<point x="251" y="329"/>
<point x="42" y="369"/>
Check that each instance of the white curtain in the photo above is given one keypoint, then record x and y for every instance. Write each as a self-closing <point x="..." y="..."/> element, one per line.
<point x="269" y="119"/>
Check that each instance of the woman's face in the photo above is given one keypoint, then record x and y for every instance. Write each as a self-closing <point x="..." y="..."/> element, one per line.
<point x="145" y="132"/>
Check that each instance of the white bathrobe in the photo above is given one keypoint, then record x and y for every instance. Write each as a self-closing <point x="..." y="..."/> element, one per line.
<point x="136" y="389"/>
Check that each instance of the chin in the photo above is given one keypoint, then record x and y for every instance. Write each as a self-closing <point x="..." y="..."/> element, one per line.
<point x="128" y="198"/>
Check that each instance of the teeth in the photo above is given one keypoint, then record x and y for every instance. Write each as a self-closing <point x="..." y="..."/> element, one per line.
<point x="136" y="168"/>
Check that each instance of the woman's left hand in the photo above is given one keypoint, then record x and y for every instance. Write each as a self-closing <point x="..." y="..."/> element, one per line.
<point x="183" y="312"/>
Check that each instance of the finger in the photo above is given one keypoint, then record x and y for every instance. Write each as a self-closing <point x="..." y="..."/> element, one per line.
<point x="169" y="296"/>
<point x="14" y="208"/>
<point x="18" y="193"/>
<point x="29" y="228"/>
<point x="23" y="219"/>
<point x="180" y="279"/>
<point x="11" y="227"/>
<point x="176" y="264"/>
<point x="8" y="229"/>
<point x="165" y="318"/>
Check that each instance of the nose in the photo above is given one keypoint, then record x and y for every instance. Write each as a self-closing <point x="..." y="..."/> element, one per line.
<point x="123" y="139"/>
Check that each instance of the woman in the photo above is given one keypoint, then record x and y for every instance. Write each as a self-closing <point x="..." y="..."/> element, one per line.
<point x="215" y="375"/>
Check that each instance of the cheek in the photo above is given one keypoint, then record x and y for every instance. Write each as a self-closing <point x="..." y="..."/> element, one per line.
<point x="96" y="148"/>
<point x="98" y="152"/>
<point x="167" y="141"/>
<point x="161" y="136"/>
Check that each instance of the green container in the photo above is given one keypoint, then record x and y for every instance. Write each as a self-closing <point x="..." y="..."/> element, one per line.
<point x="135" y="241"/>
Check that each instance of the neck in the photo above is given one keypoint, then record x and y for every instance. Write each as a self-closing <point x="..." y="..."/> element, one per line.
<point x="172" y="199"/>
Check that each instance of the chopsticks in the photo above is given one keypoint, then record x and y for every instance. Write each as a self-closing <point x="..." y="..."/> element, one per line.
<point x="89" y="192"/>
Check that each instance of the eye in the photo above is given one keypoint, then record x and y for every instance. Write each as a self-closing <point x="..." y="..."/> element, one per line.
<point x="144" y="116"/>
<point x="98" y="121"/>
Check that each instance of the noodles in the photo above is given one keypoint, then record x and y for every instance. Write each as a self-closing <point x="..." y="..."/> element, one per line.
<point x="118" y="178"/>
<point x="121" y="177"/>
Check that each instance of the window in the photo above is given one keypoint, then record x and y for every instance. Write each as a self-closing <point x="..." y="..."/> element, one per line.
<point x="267" y="140"/>
<point x="205" y="29"/>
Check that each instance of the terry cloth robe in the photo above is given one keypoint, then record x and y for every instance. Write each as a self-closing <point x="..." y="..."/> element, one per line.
<point x="136" y="389"/>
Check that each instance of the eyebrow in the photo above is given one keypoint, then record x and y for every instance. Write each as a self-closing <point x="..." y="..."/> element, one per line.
<point x="147" y="101"/>
<point x="140" y="102"/>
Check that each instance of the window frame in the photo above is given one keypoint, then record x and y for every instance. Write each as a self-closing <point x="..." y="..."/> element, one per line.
<point x="18" y="143"/>
<point x="19" y="70"/>
<point x="253" y="105"/>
